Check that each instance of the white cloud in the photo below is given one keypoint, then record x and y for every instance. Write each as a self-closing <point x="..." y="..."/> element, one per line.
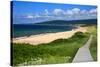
<point x="71" y="14"/>
<point x="58" y="11"/>
<point x="33" y="16"/>
<point x="84" y="12"/>
<point x="75" y="13"/>
<point x="30" y="16"/>
<point x="37" y="15"/>
<point x="93" y="11"/>
<point x="76" y="10"/>
<point x="46" y="12"/>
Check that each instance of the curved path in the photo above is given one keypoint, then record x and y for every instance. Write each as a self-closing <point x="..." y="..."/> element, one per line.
<point x="83" y="54"/>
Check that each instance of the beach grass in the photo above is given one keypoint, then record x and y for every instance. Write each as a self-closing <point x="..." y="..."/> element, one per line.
<point x="57" y="51"/>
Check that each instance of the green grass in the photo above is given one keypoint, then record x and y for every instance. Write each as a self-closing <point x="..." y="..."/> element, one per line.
<point x="93" y="47"/>
<point x="58" y="51"/>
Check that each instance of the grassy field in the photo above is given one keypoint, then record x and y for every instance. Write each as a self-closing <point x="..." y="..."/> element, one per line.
<point x="93" y="47"/>
<point x="58" y="51"/>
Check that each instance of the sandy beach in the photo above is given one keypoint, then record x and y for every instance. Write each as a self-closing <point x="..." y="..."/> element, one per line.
<point x="48" y="37"/>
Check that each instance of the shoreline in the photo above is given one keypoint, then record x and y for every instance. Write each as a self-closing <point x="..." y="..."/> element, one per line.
<point x="47" y="37"/>
<point x="21" y="37"/>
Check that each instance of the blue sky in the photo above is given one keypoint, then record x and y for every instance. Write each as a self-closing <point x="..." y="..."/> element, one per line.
<point x="49" y="11"/>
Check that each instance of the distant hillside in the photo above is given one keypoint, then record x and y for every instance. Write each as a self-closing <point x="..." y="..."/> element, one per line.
<point x="63" y="22"/>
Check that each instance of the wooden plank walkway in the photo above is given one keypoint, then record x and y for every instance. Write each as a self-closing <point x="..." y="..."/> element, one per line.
<point x="83" y="54"/>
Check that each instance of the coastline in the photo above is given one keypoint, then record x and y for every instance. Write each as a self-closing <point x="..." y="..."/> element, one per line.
<point x="48" y="37"/>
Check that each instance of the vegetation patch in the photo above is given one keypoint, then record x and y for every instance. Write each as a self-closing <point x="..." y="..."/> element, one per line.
<point x="57" y="51"/>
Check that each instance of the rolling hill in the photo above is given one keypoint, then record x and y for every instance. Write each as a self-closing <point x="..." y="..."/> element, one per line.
<point x="64" y="22"/>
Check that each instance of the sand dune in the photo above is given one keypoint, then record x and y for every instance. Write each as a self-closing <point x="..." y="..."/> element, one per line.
<point x="48" y="37"/>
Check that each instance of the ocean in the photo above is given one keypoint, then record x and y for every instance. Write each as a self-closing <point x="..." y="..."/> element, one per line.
<point x="20" y="30"/>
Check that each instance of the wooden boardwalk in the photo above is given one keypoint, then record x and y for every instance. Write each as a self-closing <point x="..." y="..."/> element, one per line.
<point x="83" y="54"/>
